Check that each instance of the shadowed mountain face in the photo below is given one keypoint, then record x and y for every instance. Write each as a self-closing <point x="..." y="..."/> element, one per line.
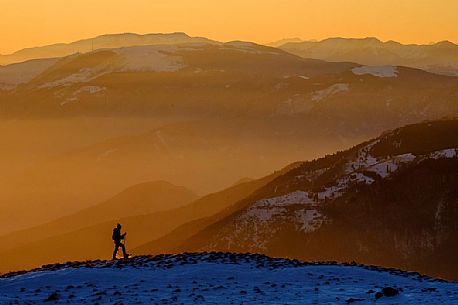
<point x="200" y="115"/>
<point x="440" y="58"/>
<point x="390" y="201"/>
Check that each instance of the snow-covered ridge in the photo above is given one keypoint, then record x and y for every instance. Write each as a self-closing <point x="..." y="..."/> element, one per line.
<point x="378" y="71"/>
<point x="303" y="208"/>
<point x="221" y="278"/>
<point x="152" y="58"/>
<point x="364" y="162"/>
<point x="74" y="96"/>
<point x="305" y="214"/>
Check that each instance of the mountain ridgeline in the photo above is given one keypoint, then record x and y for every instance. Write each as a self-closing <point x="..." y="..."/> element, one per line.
<point x="100" y="42"/>
<point x="441" y="57"/>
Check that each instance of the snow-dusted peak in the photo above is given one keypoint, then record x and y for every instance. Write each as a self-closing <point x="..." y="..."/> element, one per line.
<point x="150" y="58"/>
<point x="303" y="207"/>
<point x="378" y="71"/>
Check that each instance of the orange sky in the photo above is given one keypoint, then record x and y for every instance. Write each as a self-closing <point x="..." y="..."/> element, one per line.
<point x="26" y="23"/>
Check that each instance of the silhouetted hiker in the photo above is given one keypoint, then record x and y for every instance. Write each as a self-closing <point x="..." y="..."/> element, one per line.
<point x="117" y="238"/>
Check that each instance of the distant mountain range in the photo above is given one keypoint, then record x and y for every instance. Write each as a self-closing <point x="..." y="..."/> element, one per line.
<point x="441" y="57"/>
<point x="100" y="42"/>
<point x="390" y="201"/>
<point x="236" y="108"/>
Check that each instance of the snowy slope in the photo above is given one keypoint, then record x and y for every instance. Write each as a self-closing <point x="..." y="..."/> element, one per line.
<point x="221" y="278"/>
<point x="310" y="189"/>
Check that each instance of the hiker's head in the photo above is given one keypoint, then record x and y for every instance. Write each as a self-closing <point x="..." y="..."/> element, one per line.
<point x="119" y="226"/>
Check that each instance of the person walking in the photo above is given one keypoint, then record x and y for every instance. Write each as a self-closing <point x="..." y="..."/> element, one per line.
<point x="118" y="238"/>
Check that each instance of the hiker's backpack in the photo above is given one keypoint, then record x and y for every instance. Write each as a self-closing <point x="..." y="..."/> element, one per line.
<point x="114" y="236"/>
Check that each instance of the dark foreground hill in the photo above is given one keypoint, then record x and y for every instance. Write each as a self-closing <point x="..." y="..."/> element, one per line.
<point x="221" y="278"/>
<point x="390" y="201"/>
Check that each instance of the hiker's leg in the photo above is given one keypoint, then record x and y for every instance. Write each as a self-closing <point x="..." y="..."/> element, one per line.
<point x="123" y="250"/>
<point x="115" y="251"/>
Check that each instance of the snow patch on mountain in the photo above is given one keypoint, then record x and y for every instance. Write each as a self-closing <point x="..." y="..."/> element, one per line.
<point x="68" y="100"/>
<point x="383" y="169"/>
<point x="297" y="207"/>
<point x="297" y="197"/>
<point x="154" y="58"/>
<point x="363" y="158"/>
<point x="356" y="169"/>
<point x="89" y="89"/>
<point x="82" y="76"/>
<point x="150" y="58"/>
<point x="21" y="73"/>
<point x="308" y="220"/>
<point x="330" y="91"/>
<point x="74" y="96"/>
<point x="378" y="71"/>
<point x="446" y="153"/>
<point x="303" y="77"/>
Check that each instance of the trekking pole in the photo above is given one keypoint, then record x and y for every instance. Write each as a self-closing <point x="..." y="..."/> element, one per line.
<point x="125" y="247"/>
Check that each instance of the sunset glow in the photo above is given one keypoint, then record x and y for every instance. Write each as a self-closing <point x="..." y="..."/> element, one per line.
<point x="229" y="152"/>
<point x="29" y="23"/>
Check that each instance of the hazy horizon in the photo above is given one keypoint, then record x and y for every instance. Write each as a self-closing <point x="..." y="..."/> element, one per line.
<point x="225" y="41"/>
<point x="26" y="23"/>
